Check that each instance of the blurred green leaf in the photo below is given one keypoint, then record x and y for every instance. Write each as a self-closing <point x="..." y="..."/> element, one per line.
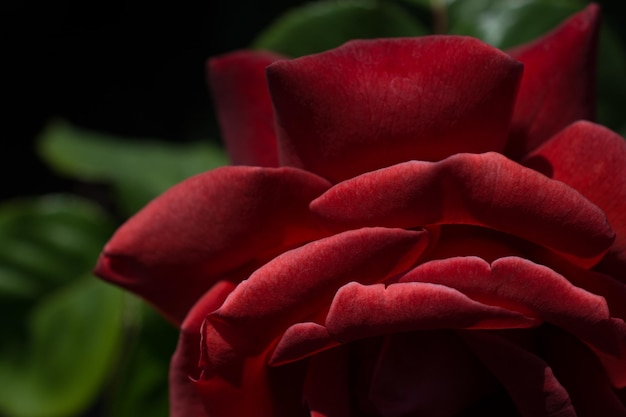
<point x="323" y="25"/>
<point x="72" y="340"/>
<point x="141" y="386"/>
<point x="611" y="81"/>
<point x="138" y="169"/>
<point x="48" y="241"/>
<point x="507" y="23"/>
<point x="60" y="329"/>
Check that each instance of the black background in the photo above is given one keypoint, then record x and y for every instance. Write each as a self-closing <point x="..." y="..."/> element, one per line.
<point x="132" y="68"/>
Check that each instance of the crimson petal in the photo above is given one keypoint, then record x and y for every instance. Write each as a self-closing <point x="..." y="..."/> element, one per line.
<point x="301" y="340"/>
<point x="299" y="284"/>
<point x="485" y="190"/>
<point x="360" y="311"/>
<point x="248" y="387"/>
<point x="217" y="224"/>
<point x="558" y="85"/>
<point x="373" y="103"/>
<point x="532" y="289"/>
<point x="591" y="159"/>
<point x="184" y="398"/>
<point x="244" y="107"/>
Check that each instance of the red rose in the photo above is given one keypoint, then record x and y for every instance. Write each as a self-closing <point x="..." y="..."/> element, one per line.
<point x="429" y="231"/>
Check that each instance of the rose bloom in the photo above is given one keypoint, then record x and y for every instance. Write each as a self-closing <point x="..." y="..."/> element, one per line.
<point x="412" y="227"/>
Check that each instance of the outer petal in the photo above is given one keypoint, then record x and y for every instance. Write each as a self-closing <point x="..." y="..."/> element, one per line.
<point x="208" y="227"/>
<point x="298" y="285"/>
<point x="244" y="107"/>
<point x="591" y="159"/>
<point x="246" y="386"/>
<point x="487" y="190"/>
<point x="184" y="398"/>
<point x="371" y="104"/>
<point x="558" y="86"/>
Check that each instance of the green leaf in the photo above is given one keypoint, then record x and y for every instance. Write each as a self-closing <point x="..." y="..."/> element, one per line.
<point x="47" y="241"/>
<point x="323" y="25"/>
<point x="139" y="170"/>
<point x="72" y="340"/>
<point x="141" y="386"/>
<point x="506" y="23"/>
<point x="60" y="330"/>
<point x="611" y="81"/>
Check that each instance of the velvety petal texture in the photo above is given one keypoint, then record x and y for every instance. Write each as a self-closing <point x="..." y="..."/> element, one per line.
<point x="300" y="341"/>
<point x="360" y="311"/>
<point x="533" y="290"/>
<point x="416" y="227"/>
<point x="199" y="232"/>
<point x="390" y="100"/>
<point x="592" y="159"/>
<point x="291" y="288"/>
<point x="558" y="86"/>
<point x="485" y="189"/>
<point x="244" y="107"/>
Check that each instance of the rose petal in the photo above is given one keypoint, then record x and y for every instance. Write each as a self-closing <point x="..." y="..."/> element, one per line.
<point x="611" y="289"/>
<point x="427" y="374"/>
<point x="232" y="385"/>
<point x="360" y="311"/>
<point x="184" y="399"/>
<point x="244" y="107"/>
<point x="591" y="159"/>
<point x="299" y="284"/>
<point x="532" y="289"/>
<point x="487" y="190"/>
<point x="209" y="226"/>
<point x="374" y="103"/>
<point x="528" y="379"/>
<point x="558" y="85"/>
<point x="246" y="386"/>
<point x="300" y="341"/>
<point x="538" y="291"/>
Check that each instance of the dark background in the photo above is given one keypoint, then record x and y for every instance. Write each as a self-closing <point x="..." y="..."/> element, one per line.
<point x="132" y="68"/>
